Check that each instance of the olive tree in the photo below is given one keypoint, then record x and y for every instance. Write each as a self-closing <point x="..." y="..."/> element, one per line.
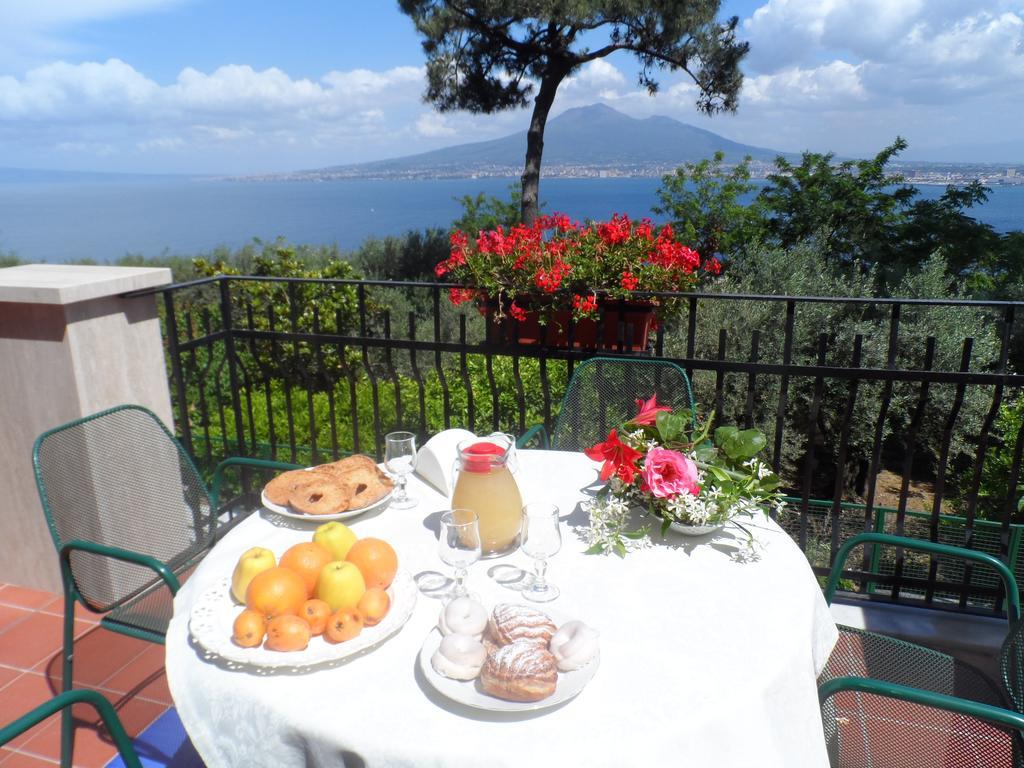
<point x="489" y="55"/>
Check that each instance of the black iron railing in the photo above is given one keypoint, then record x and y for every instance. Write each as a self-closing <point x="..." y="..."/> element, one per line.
<point x="903" y="415"/>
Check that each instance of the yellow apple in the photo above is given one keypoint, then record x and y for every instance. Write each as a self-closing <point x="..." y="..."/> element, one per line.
<point x="337" y="537"/>
<point x="253" y="561"/>
<point x="340" y="585"/>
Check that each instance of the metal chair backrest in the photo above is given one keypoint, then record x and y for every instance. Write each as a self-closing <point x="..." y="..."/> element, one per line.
<point x="1011" y="665"/>
<point x="602" y="394"/>
<point x="874" y="723"/>
<point x="119" y="478"/>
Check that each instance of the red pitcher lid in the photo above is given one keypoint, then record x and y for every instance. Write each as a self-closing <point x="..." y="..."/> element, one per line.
<point x="475" y="456"/>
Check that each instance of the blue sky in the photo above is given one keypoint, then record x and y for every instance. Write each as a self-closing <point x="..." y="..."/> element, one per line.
<point x="225" y="86"/>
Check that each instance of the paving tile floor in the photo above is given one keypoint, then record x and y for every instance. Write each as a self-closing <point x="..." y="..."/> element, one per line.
<point x="129" y="672"/>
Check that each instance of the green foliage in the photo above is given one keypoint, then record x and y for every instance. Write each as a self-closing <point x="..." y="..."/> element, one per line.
<point x="998" y="466"/>
<point x="806" y="270"/>
<point x="854" y="207"/>
<point x="410" y="257"/>
<point x="484" y="212"/>
<point x="702" y="200"/>
<point x="292" y="306"/>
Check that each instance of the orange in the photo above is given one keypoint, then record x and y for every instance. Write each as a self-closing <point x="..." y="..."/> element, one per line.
<point x="374" y="606"/>
<point x="316" y="613"/>
<point x="344" y="624"/>
<point x="376" y="560"/>
<point x="307" y="560"/>
<point x="287" y="633"/>
<point x="276" y="591"/>
<point x="249" y="628"/>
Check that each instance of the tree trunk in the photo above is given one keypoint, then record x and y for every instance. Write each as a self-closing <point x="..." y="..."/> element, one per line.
<point x="535" y="146"/>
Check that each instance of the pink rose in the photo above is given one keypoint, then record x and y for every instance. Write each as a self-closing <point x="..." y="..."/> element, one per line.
<point x="668" y="473"/>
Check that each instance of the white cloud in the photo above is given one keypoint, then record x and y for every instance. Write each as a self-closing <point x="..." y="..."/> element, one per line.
<point x="431" y="125"/>
<point x="836" y="84"/>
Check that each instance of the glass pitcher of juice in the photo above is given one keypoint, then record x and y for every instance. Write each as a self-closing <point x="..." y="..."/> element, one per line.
<point x="484" y="484"/>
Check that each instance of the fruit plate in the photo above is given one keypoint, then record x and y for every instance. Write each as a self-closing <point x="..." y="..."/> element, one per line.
<point x="472" y="695"/>
<point x="213" y="616"/>
<point x="380" y="503"/>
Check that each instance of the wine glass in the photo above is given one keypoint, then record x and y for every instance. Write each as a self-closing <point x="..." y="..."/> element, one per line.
<point x="542" y="538"/>
<point x="459" y="544"/>
<point x="400" y="460"/>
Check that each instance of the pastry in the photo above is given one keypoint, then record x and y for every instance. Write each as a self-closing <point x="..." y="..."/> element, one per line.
<point x="509" y="623"/>
<point x="464" y="616"/>
<point x="459" y="657"/>
<point x="574" y="645"/>
<point x="280" y="488"/>
<point x="521" y="671"/>
<point x="321" y="496"/>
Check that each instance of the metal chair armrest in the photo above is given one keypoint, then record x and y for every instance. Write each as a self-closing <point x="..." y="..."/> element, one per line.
<point x="528" y="435"/>
<point x="66" y="699"/>
<point x="235" y="461"/>
<point x="930" y="547"/>
<point x="995" y="715"/>
<point x="117" y="553"/>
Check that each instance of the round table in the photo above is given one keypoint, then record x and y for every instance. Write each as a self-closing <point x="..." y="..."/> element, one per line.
<point x="707" y="658"/>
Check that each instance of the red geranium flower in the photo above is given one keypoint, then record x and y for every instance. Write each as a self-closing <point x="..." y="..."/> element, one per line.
<point x="619" y="459"/>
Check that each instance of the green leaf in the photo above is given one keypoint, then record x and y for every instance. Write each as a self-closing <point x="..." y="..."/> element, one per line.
<point x="725" y="434"/>
<point x="665" y="523"/>
<point x="670" y="426"/>
<point x="637" y="534"/>
<point x="620" y="549"/>
<point x="597" y="549"/>
<point x="1020" y="504"/>
<point x="705" y="452"/>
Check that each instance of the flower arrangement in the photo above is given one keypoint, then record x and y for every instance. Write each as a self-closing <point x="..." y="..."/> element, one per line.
<point x="679" y="471"/>
<point x="558" y="264"/>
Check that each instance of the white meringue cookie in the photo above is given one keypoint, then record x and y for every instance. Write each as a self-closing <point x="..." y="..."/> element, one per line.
<point x="464" y="616"/>
<point x="574" y="645"/>
<point x="459" y="657"/>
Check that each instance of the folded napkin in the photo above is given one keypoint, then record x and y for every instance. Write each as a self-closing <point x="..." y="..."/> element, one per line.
<point x="435" y="461"/>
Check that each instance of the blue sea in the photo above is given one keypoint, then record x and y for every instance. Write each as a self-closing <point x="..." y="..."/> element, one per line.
<point x="104" y="220"/>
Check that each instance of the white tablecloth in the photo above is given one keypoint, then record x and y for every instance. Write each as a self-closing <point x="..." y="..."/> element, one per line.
<point x="705" y="660"/>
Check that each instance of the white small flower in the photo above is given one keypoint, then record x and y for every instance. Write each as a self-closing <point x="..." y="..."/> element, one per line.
<point x="763" y="470"/>
<point x="751" y="463"/>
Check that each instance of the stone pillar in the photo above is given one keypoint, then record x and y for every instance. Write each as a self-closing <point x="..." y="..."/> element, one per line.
<point x="70" y="345"/>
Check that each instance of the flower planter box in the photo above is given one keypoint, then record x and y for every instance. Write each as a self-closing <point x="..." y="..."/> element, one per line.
<point x="632" y="323"/>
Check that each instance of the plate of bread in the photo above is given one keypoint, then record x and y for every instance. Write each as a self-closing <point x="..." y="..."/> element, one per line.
<point x="514" y="658"/>
<point x="341" y="489"/>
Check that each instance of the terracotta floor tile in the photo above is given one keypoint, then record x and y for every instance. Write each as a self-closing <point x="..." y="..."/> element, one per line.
<point x="99" y="654"/>
<point x="32" y="640"/>
<point x="21" y="760"/>
<point x="81" y="613"/>
<point x="93" y="746"/>
<point x="143" y="677"/>
<point x="11" y="615"/>
<point x="24" y="597"/>
<point x="25" y="692"/>
<point x="7" y="674"/>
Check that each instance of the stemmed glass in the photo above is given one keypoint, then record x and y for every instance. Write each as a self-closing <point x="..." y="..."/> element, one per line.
<point x="542" y="538"/>
<point x="459" y="544"/>
<point x="400" y="460"/>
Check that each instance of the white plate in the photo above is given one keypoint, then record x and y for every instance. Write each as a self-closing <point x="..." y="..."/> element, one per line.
<point x="381" y="503"/>
<point x="469" y="692"/>
<point x="213" y="617"/>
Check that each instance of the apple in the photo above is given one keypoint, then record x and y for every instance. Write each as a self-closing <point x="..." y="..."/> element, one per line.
<point x="252" y="561"/>
<point x="337" y="537"/>
<point x="340" y="585"/>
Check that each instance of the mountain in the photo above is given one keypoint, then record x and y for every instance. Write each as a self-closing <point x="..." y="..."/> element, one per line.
<point x="586" y="140"/>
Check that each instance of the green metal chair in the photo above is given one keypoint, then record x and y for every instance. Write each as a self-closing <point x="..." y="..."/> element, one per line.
<point x="61" y="703"/>
<point x="130" y="516"/>
<point x="860" y="653"/>
<point x="872" y="723"/>
<point x="602" y="394"/>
